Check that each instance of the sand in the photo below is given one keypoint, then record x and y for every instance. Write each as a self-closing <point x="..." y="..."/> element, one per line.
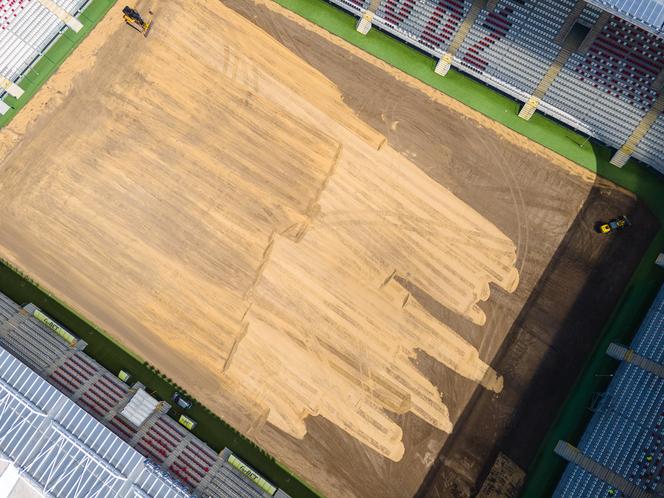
<point x="213" y="201"/>
<point x="256" y="234"/>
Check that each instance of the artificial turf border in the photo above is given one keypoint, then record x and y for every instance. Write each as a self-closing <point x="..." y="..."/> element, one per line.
<point x="648" y="185"/>
<point x="643" y="181"/>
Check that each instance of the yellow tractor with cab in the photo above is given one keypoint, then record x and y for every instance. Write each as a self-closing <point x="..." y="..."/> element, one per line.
<point x="134" y="19"/>
<point x="614" y="225"/>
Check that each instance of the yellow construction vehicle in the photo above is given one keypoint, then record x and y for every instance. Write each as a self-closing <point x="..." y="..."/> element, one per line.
<point x="614" y="225"/>
<point x="134" y="19"/>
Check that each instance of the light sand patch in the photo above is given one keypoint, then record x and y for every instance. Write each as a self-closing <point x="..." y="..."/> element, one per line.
<point x="227" y="217"/>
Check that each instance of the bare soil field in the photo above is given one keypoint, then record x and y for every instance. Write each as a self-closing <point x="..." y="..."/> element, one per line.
<point x="333" y="258"/>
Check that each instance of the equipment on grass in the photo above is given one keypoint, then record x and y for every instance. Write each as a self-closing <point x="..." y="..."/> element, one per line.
<point x="187" y="422"/>
<point x="124" y="376"/>
<point x="616" y="224"/>
<point x="181" y="401"/>
<point x="134" y="19"/>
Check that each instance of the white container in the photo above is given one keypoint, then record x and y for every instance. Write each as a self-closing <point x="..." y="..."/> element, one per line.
<point x="660" y="260"/>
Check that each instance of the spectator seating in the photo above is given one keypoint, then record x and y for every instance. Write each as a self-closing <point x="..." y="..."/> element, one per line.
<point x="626" y="433"/>
<point x="161" y="439"/>
<point x="428" y="24"/>
<point x="604" y="89"/>
<point x="27" y="29"/>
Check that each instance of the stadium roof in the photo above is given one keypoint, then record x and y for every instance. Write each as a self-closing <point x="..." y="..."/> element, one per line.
<point x="649" y="14"/>
<point x="62" y="450"/>
<point x="11" y="484"/>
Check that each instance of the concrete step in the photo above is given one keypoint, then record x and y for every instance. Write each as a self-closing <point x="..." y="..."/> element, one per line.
<point x="621" y="157"/>
<point x="529" y="108"/>
<point x="443" y="65"/>
<point x="364" y="24"/>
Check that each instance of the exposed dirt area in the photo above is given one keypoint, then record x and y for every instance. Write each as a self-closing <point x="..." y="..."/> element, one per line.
<point x="319" y="249"/>
<point x="546" y="349"/>
<point x="504" y="480"/>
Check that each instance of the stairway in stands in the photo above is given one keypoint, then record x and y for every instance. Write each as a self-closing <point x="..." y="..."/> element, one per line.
<point x="570" y="44"/>
<point x="594" y="32"/>
<point x="572" y="454"/>
<point x="622" y="155"/>
<point x="445" y="62"/>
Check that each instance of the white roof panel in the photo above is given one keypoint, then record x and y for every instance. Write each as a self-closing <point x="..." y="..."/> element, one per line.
<point x="649" y="14"/>
<point x="62" y="449"/>
<point x="139" y="407"/>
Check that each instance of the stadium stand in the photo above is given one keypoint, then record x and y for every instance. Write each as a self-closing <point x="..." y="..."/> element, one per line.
<point x="64" y="451"/>
<point x="73" y="390"/>
<point x="621" y="452"/>
<point x="23" y="337"/>
<point x="597" y="66"/>
<point x="27" y="29"/>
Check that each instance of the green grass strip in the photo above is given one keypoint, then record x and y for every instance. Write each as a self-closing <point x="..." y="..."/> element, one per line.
<point x="545" y="471"/>
<point x="56" y="54"/>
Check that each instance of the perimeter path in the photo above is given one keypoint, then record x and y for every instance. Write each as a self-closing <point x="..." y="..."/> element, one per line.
<point x="648" y="185"/>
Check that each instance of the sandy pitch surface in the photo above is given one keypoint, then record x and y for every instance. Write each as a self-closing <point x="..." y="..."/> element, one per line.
<point x="207" y="198"/>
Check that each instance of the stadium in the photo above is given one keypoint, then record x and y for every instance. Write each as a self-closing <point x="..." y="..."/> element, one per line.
<point x="345" y="248"/>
